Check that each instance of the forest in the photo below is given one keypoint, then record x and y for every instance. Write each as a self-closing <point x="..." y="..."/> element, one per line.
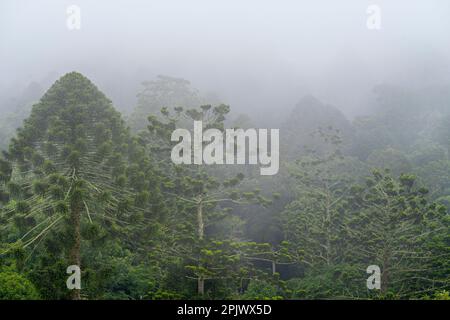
<point x="207" y="152"/>
<point x="82" y="184"/>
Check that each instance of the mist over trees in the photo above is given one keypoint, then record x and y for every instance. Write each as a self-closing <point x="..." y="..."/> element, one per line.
<point x="87" y="180"/>
<point x="78" y="188"/>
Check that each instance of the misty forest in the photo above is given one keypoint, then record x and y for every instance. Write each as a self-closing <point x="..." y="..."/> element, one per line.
<point x="86" y="177"/>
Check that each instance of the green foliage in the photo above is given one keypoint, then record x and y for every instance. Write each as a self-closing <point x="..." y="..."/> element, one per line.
<point x="260" y="290"/>
<point x="443" y="295"/>
<point x="337" y="281"/>
<point x="204" y="201"/>
<point x="76" y="187"/>
<point x="68" y="152"/>
<point x="14" y="286"/>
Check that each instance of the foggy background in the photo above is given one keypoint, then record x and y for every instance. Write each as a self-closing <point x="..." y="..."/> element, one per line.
<point x="258" y="56"/>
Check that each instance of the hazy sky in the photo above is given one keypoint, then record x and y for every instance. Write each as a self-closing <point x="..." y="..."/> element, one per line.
<point x="253" y="54"/>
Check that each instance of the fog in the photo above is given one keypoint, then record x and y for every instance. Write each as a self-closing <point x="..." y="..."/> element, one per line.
<point x="260" y="57"/>
<point x="263" y="150"/>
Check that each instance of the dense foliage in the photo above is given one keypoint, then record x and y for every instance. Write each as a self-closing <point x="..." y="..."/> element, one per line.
<point x="78" y="187"/>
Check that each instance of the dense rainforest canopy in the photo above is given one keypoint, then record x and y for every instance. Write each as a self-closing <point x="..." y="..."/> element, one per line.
<point x="81" y="186"/>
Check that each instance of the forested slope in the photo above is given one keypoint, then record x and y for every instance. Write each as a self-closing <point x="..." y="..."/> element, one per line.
<point x="78" y="187"/>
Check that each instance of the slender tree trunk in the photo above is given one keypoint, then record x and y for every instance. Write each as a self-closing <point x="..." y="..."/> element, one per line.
<point x="201" y="225"/>
<point x="201" y="231"/>
<point x="385" y="274"/>
<point x="74" y="253"/>
<point x="328" y="232"/>
<point x="200" y="286"/>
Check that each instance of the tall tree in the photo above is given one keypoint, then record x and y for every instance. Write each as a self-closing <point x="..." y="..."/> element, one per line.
<point x="164" y="92"/>
<point x="395" y="227"/>
<point x="202" y="197"/>
<point x="68" y="169"/>
<point x="315" y="220"/>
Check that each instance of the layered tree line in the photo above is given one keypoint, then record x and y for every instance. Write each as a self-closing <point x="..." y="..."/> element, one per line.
<point x="81" y="186"/>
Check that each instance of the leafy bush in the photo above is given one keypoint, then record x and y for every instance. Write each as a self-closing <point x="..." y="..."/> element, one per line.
<point x="14" y="286"/>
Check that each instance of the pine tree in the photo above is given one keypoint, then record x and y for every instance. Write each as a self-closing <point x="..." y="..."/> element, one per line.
<point x="315" y="220"/>
<point x="164" y="92"/>
<point x="201" y="199"/>
<point x="395" y="227"/>
<point x="68" y="172"/>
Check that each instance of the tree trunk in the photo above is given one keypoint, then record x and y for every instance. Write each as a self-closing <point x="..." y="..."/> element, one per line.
<point x="201" y="225"/>
<point x="201" y="231"/>
<point x="74" y="253"/>
<point x="385" y="274"/>
<point x="200" y="286"/>
<point x="328" y="228"/>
